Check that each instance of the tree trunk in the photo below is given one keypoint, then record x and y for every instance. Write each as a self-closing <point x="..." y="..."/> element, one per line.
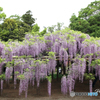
<point x="52" y="74"/>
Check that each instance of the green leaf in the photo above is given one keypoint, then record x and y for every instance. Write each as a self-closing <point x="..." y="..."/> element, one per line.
<point x="16" y="72"/>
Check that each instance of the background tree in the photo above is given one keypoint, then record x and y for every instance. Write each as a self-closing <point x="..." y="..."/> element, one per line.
<point x="43" y="32"/>
<point x="22" y="27"/>
<point x="28" y="19"/>
<point x="9" y="25"/>
<point x="79" y="24"/>
<point x="59" y="25"/>
<point x="88" y="20"/>
<point x="92" y="9"/>
<point x="35" y="29"/>
<point x="15" y="17"/>
<point x="51" y="29"/>
<point x="10" y="30"/>
<point x="2" y="15"/>
<point x="15" y="26"/>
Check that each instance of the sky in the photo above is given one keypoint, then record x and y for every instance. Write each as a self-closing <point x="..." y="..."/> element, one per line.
<point x="47" y="12"/>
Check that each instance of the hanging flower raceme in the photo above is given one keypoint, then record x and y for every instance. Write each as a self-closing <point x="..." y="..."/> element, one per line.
<point x="64" y="44"/>
<point x="94" y="49"/>
<point x="52" y="61"/>
<point x="56" y="47"/>
<point x="2" y="84"/>
<point x="49" y="41"/>
<point x="64" y="85"/>
<point x="79" y="69"/>
<point x="79" y="66"/>
<point x="2" y="62"/>
<point x="1" y="48"/>
<point x="15" y="48"/>
<point x="40" y="70"/>
<point x="91" y="77"/>
<point x="49" y="84"/>
<point x="41" y="44"/>
<point x="74" y="48"/>
<point x="24" y="79"/>
<point x="23" y="86"/>
<point x="43" y="69"/>
<point x="48" y="68"/>
<point x="74" y="71"/>
<point x="7" y="53"/>
<point x="8" y="72"/>
<point x="62" y="53"/>
<point x="17" y="72"/>
<point x="49" y="88"/>
<point x="83" y="68"/>
<point x="2" y="78"/>
<point x="32" y="71"/>
<point x="89" y="67"/>
<point x="70" y="83"/>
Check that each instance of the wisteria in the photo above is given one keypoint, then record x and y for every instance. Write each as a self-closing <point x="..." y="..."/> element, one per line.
<point x="25" y="58"/>
<point x="2" y="84"/>
<point x="49" y="88"/>
<point x="64" y="85"/>
<point x="90" y="82"/>
<point x="8" y="73"/>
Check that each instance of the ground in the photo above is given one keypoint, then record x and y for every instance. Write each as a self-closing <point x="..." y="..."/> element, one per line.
<point x="9" y="93"/>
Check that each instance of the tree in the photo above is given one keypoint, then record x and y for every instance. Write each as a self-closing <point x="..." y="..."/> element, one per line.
<point x="59" y="25"/>
<point x="73" y="21"/>
<point x="16" y="17"/>
<point x="51" y="29"/>
<point x="88" y="20"/>
<point x="8" y="26"/>
<point x="10" y="30"/>
<point x="22" y="26"/>
<point x="91" y="10"/>
<point x="25" y="26"/>
<point x="73" y="18"/>
<point x="43" y="32"/>
<point x="2" y="15"/>
<point x="79" y="24"/>
<point x="35" y="28"/>
<point x="28" y="19"/>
